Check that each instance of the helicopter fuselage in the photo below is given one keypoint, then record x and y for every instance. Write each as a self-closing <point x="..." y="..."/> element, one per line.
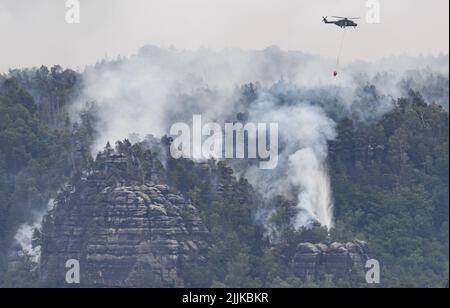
<point x="343" y="23"/>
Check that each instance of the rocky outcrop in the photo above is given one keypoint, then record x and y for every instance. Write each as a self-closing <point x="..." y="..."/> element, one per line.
<point x="223" y="182"/>
<point x="342" y="261"/>
<point x="128" y="228"/>
<point x="123" y="233"/>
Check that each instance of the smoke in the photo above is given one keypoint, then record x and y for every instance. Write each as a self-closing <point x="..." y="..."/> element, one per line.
<point x="25" y="235"/>
<point x="315" y="199"/>
<point x="301" y="175"/>
<point x="147" y="93"/>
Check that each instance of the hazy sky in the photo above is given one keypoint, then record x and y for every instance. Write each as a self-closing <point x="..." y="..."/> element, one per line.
<point x="34" y="32"/>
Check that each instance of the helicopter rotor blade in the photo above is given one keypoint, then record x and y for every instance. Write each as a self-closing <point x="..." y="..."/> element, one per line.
<point x="346" y="17"/>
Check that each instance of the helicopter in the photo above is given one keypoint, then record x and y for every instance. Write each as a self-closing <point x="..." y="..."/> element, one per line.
<point x="343" y="22"/>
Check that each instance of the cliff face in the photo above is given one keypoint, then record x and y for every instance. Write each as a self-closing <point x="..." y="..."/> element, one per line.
<point x="343" y="261"/>
<point x="128" y="228"/>
<point x="123" y="233"/>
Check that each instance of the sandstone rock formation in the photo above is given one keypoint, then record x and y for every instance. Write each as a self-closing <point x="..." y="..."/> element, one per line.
<point x="123" y="233"/>
<point x="342" y="261"/>
<point x="128" y="228"/>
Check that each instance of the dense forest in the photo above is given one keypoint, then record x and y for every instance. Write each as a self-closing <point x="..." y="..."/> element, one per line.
<point x="390" y="183"/>
<point x="36" y="155"/>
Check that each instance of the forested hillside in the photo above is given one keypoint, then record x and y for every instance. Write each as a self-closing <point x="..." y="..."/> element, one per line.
<point x="390" y="183"/>
<point x="29" y="157"/>
<point x="35" y="158"/>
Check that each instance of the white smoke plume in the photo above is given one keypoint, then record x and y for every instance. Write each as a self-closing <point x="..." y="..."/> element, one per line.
<point x="309" y="173"/>
<point x="24" y="236"/>
<point x="305" y="131"/>
<point x="149" y="92"/>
